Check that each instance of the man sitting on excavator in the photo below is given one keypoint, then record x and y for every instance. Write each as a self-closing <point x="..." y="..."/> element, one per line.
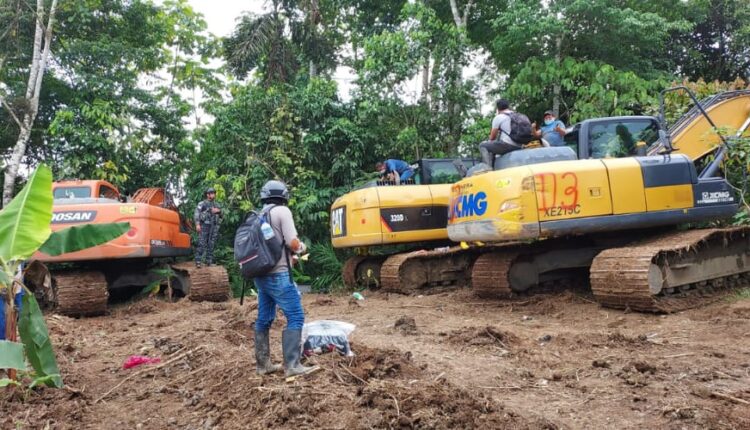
<point x="510" y="131"/>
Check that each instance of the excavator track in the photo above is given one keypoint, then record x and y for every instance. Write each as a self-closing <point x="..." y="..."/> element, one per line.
<point x="420" y="270"/>
<point x="363" y="271"/>
<point x="489" y="276"/>
<point x="209" y="283"/>
<point x="349" y="270"/>
<point x="81" y="293"/>
<point x="674" y="271"/>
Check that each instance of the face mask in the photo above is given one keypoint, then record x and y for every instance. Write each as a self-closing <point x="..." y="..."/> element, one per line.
<point x="548" y="121"/>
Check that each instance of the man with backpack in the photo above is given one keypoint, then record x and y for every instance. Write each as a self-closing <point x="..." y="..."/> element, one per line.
<point x="510" y="131"/>
<point x="277" y="287"/>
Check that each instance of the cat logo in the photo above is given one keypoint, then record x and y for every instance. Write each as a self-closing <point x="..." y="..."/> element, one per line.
<point x="128" y="210"/>
<point x="338" y="222"/>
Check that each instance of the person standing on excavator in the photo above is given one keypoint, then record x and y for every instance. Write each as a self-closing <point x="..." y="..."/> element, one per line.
<point x="207" y="217"/>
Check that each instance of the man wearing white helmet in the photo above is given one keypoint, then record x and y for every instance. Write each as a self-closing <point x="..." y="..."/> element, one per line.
<point x="277" y="288"/>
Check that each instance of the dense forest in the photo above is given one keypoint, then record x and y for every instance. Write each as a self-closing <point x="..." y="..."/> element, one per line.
<point x="139" y="93"/>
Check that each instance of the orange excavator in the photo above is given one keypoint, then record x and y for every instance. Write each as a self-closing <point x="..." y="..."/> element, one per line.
<point x="79" y="283"/>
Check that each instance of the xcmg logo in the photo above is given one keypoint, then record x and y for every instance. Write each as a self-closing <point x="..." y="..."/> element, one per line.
<point x="73" y="217"/>
<point x="469" y="205"/>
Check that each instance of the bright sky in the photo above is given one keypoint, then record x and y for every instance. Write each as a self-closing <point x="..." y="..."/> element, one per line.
<point x="221" y="15"/>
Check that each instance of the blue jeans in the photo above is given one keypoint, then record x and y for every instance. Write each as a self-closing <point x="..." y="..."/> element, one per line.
<point x="19" y="297"/>
<point x="406" y="175"/>
<point x="276" y="289"/>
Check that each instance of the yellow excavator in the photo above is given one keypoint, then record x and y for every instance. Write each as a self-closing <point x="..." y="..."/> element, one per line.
<point x="381" y="213"/>
<point x="601" y="209"/>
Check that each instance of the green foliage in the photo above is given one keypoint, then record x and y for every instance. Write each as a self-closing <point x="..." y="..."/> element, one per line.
<point x="37" y="343"/>
<point x="742" y="294"/>
<point x="736" y="166"/>
<point x="76" y="238"/>
<point x="105" y="98"/>
<point x="718" y="47"/>
<point x="678" y="103"/>
<point x="24" y="223"/>
<point x="327" y="269"/>
<point x="11" y="355"/>
<point x="25" y="229"/>
<point x="589" y="89"/>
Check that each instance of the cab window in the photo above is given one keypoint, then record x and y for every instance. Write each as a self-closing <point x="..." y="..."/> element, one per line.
<point x="72" y="193"/>
<point x="106" y="192"/>
<point x="619" y="138"/>
<point x="571" y="139"/>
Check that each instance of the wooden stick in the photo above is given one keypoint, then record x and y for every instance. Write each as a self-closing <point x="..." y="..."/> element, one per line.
<point x="510" y="387"/>
<point x="354" y="376"/>
<point x="730" y="398"/>
<point x="150" y="369"/>
<point x="687" y="354"/>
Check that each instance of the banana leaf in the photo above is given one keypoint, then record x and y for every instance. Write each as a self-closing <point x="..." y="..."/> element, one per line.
<point x="11" y="355"/>
<point x="24" y="223"/>
<point x="80" y="237"/>
<point x="35" y="338"/>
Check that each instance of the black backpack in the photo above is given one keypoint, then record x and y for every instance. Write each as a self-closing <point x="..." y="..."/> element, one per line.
<point x="256" y="255"/>
<point x="520" y="128"/>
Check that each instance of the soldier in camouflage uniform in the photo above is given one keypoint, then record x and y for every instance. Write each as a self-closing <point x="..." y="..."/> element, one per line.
<point x="207" y="218"/>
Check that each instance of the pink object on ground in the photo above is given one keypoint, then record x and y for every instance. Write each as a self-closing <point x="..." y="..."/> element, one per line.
<point x="137" y="360"/>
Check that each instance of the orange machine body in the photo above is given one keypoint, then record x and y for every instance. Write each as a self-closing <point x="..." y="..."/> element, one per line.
<point x="155" y="227"/>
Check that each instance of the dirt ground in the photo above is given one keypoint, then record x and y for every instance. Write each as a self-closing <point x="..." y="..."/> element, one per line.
<point x="446" y="360"/>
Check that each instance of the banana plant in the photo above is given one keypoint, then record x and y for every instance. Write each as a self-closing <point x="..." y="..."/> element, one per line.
<point x="24" y="229"/>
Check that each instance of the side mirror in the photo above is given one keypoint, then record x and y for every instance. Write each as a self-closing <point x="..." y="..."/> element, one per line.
<point x="666" y="143"/>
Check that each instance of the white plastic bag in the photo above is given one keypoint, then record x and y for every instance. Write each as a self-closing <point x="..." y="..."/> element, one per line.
<point x="325" y="336"/>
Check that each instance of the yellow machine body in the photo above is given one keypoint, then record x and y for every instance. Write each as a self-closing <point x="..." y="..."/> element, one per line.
<point x="569" y="197"/>
<point x="390" y="214"/>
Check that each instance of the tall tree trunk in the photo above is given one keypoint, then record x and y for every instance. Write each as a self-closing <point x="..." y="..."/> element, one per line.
<point x="313" y="69"/>
<point x="33" y="89"/>
<point x="556" y="89"/>
<point x="426" y="80"/>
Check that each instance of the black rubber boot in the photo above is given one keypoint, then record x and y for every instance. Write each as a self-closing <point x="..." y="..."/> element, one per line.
<point x="263" y="363"/>
<point x="290" y="343"/>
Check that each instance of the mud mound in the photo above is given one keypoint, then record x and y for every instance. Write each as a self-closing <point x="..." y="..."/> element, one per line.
<point x="41" y="408"/>
<point x="143" y="306"/>
<point x="379" y="388"/>
<point x="383" y="364"/>
<point x="324" y="301"/>
<point x="434" y="406"/>
<point x="483" y="336"/>
<point x="406" y="325"/>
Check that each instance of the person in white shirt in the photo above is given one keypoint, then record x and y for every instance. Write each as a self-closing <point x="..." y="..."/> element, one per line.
<point x="500" y="141"/>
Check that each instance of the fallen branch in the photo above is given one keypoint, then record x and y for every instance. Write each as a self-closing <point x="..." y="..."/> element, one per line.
<point x="687" y="354"/>
<point x="509" y="387"/>
<point x="398" y="411"/>
<point x="354" y="376"/>
<point x="149" y="369"/>
<point x="730" y="398"/>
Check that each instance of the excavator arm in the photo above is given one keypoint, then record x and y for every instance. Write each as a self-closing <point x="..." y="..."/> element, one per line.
<point x="696" y="133"/>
